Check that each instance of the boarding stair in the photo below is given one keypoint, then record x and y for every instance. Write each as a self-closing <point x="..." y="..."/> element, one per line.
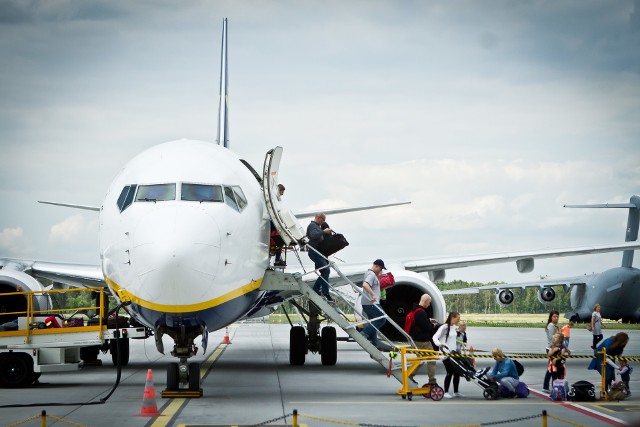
<point x="276" y="280"/>
<point x="293" y="284"/>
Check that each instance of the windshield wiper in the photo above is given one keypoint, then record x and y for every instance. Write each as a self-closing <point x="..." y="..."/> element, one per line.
<point x="150" y="200"/>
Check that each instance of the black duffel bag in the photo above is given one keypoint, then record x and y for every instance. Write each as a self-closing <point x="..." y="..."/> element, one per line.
<point x="582" y="391"/>
<point x="332" y="243"/>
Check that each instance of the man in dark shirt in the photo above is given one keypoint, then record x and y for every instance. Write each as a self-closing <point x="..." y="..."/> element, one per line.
<point x="315" y="233"/>
<point x="422" y="331"/>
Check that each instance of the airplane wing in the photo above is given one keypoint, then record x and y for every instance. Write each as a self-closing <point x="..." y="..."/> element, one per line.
<point x="71" y="205"/>
<point x="524" y="260"/>
<point x="66" y="274"/>
<point x="310" y="214"/>
<point x="565" y="282"/>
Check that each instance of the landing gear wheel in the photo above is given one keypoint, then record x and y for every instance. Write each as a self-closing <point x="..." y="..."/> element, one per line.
<point x="404" y="397"/>
<point x="410" y="396"/>
<point x="297" y="345"/>
<point x="194" y="376"/>
<point x="328" y="346"/>
<point x="124" y="351"/>
<point x="437" y="393"/>
<point x="173" y="380"/>
<point x="16" y="370"/>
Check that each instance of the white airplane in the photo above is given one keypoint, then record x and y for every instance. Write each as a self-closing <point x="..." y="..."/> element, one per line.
<point x="184" y="239"/>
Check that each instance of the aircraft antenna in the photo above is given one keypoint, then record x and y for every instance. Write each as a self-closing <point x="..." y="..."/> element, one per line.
<point x="223" y="119"/>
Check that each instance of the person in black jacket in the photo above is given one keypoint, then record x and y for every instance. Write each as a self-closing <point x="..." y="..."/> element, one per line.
<point x="422" y="331"/>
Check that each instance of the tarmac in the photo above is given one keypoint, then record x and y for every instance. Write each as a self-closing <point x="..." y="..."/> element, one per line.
<point x="250" y="382"/>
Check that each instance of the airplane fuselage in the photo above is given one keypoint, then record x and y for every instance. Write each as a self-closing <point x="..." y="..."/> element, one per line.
<point x="616" y="290"/>
<point x="184" y="236"/>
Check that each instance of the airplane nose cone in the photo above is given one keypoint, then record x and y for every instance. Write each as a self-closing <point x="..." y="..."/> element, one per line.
<point x="173" y="246"/>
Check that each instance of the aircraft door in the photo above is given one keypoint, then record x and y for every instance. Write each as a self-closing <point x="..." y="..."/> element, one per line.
<point x="285" y="222"/>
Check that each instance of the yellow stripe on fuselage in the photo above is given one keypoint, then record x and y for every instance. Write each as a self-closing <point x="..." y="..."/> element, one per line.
<point x="173" y="308"/>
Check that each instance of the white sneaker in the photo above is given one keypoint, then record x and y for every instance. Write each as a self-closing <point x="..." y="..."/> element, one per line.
<point x="458" y="394"/>
<point x="447" y="396"/>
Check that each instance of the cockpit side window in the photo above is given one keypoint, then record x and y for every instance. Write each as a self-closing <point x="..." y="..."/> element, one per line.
<point x="230" y="198"/>
<point x="201" y="193"/>
<point x="240" y="198"/>
<point x="126" y="196"/>
<point x="156" y="193"/>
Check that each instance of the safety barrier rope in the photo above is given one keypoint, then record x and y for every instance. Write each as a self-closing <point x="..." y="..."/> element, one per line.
<point x="295" y="416"/>
<point x="43" y="417"/>
<point x="435" y="353"/>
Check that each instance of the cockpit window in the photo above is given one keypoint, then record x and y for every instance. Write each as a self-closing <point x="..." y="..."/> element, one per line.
<point x="201" y="193"/>
<point x="126" y="197"/>
<point x="156" y="193"/>
<point x="230" y="198"/>
<point x="242" y="201"/>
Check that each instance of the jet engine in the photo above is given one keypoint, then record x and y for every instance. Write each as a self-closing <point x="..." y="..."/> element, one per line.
<point x="19" y="281"/>
<point x="406" y="292"/>
<point x="504" y="297"/>
<point x="546" y="295"/>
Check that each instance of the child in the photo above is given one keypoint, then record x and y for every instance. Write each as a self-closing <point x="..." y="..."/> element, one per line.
<point x="566" y="331"/>
<point x="625" y="376"/>
<point x="556" y="359"/>
<point x="461" y="338"/>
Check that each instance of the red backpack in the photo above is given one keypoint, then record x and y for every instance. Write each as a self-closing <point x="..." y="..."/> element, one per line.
<point x="408" y="321"/>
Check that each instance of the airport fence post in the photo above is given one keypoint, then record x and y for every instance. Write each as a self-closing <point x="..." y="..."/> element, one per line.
<point x="603" y="374"/>
<point x="43" y="419"/>
<point x="544" y="418"/>
<point x="294" y="422"/>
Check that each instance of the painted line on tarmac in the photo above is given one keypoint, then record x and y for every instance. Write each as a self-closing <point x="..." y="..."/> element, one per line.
<point x="173" y="409"/>
<point x="583" y="410"/>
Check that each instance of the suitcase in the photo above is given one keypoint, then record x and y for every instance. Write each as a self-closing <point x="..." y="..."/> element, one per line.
<point x="582" y="391"/>
<point x="73" y="322"/>
<point x="558" y="391"/>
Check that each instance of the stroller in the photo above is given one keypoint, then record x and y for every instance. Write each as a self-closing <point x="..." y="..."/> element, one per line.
<point x="463" y="366"/>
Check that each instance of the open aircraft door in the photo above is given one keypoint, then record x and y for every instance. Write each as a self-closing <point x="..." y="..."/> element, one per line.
<point x="285" y="222"/>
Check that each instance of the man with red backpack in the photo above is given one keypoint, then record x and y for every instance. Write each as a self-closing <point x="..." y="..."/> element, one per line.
<point x="421" y="329"/>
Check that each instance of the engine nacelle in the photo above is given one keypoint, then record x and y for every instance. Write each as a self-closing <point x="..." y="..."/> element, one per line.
<point x="504" y="297"/>
<point x="546" y="295"/>
<point x="19" y="281"/>
<point x="406" y="292"/>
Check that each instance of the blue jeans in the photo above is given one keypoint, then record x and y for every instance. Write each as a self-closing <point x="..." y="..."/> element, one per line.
<point x="372" y="311"/>
<point x="322" y="282"/>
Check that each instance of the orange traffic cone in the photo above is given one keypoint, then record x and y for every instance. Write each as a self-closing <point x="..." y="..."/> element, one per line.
<point x="149" y="407"/>
<point x="226" y="339"/>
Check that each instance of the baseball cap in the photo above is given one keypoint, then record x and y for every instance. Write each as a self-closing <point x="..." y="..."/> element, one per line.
<point x="380" y="263"/>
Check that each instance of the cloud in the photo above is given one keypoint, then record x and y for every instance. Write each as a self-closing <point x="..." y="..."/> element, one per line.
<point x="14" y="241"/>
<point x="71" y="229"/>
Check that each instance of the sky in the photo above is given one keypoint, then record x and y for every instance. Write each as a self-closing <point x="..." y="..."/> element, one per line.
<point x="488" y="116"/>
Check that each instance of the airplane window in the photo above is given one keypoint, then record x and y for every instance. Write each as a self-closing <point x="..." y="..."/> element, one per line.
<point x="230" y="199"/>
<point x="242" y="201"/>
<point x="122" y="197"/>
<point x="126" y="196"/>
<point x="201" y="193"/>
<point x="156" y="193"/>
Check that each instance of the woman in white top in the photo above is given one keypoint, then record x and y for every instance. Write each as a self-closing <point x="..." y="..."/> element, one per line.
<point x="445" y="338"/>
<point x="596" y="325"/>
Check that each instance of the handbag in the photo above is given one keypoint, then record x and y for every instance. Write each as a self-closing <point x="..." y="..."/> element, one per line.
<point x="332" y="243"/>
<point x="386" y="280"/>
<point x="589" y="328"/>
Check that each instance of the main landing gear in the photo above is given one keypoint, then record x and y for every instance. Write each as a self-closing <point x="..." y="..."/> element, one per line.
<point x="317" y="341"/>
